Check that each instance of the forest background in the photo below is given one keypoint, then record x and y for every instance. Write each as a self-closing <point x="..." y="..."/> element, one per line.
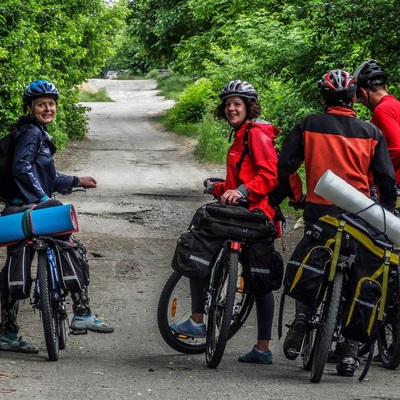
<point x="282" y="47"/>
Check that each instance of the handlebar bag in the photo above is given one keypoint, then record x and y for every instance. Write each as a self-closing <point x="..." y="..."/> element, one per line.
<point x="233" y="222"/>
<point x="16" y="275"/>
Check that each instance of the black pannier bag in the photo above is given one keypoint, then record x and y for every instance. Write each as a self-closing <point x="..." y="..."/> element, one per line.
<point x="308" y="267"/>
<point x="211" y="225"/>
<point x="72" y="266"/>
<point x="375" y="265"/>
<point x="194" y="254"/>
<point x="16" y="274"/>
<point x="263" y="267"/>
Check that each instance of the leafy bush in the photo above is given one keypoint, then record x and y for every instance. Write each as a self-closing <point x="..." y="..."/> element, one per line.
<point x="213" y="142"/>
<point x="193" y="104"/>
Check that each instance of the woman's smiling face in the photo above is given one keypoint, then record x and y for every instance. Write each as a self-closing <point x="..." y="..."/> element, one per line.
<point x="43" y="109"/>
<point x="235" y="111"/>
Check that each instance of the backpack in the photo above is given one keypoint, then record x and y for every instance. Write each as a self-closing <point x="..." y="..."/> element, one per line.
<point x="8" y="187"/>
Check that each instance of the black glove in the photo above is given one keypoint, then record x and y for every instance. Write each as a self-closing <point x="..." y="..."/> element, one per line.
<point x="298" y="205"/>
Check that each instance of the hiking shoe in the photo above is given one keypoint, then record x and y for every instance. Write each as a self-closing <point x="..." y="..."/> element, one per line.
<point x="18" y="345"/>
<point x="295" y="336"/>
<point x="257" y="357"/>
<point x="188" y="329"/>
<point x="347" y="366"/>
<point x="91" y="323"/>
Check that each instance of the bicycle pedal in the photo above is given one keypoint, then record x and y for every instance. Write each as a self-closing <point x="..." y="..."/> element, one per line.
<point x="78" y="331"/>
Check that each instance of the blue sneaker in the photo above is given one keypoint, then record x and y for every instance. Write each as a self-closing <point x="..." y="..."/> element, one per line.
<point x="13" y="342"/>
<point x="91" y="323"/>
<point x="257" y="357"/>
<point x="187" y="328"/>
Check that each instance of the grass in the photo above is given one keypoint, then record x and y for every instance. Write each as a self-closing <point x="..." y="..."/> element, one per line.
<point x="88" y="94"/>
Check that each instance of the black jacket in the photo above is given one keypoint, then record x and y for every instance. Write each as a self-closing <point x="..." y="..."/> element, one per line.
<point x="33" y="165"/>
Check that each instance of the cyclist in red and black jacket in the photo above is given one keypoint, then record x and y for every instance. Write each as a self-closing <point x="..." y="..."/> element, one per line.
<point x="354" y="150"/>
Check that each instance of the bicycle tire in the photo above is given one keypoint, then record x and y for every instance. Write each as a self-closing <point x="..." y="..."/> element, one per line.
<point x="221" y="308"/>
<point x="174" y="305"/>
<point x="389" y="338"/>
<point x="308" y="349"/>
<point x="326" y="326"/>
<point x="364" y="348"/>
<point x="48" y="314"/>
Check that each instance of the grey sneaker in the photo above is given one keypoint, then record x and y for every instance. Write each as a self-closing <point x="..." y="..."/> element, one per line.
<point x="91" y="323"/>
<point x="18" y="345"/>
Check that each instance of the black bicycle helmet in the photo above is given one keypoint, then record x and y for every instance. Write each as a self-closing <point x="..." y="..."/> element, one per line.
<point x="239" y="88"/>
<point x="39" y="88"/>
<point x="337" y="86"/>
<point x="370" y="73"/>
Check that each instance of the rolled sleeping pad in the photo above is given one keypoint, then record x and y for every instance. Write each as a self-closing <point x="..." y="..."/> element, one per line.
<point x="11" y="229"/>
<point x="338" y="191"/>
<point x="51" y="221"/>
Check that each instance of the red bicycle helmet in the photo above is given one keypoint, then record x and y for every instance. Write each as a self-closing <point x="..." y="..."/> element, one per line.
<point x="337" y="86"/>
<point x="370" y="73"/>
<point x="239" y="88"/>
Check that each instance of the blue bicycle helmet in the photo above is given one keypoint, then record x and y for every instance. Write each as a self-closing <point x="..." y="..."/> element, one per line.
<point x="39" y="88"/>
<point x="238" y="88"/>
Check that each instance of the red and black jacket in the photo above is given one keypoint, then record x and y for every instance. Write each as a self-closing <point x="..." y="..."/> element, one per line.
<point x="351" y="148"/>
<point x="258" y="170"/>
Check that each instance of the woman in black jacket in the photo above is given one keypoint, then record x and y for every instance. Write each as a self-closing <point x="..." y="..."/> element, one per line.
<point x="37" y="179"/>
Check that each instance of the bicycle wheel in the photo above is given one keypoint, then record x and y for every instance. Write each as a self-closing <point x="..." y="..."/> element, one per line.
<point x="49" y="315"/>
<point x="221" y="306"/>
<point x="174" y="305"/>
<point x="389" y="338"/>
<point x="326" y="326"/>
<point x="308" y="349"/>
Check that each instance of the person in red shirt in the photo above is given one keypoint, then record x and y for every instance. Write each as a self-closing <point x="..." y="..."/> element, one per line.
<point x="251" y="174"/>
<point x="372" y="93"/>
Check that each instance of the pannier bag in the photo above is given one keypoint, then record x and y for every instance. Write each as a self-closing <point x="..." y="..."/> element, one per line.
<point x="263" y="268"/>
<point x="307" y="268"/>
<point x="16" y="274"/>
<point x="194" y="254"/>
<point x="373" y="266"/>
<point x="211" y="225"/>
<point x="73" y="268"/>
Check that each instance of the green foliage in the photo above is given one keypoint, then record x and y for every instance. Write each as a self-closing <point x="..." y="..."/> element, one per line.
<point x="63" y="42"/>
<point x="213" y="142"/>
<point x="99" y="96"/>
<point x="193" y="104"/>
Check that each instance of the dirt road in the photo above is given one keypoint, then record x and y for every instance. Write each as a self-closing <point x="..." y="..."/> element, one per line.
<point x="149" y="184"/>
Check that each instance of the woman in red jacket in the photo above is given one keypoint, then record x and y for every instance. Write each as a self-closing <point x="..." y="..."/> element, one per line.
<point x="251" y="173"/>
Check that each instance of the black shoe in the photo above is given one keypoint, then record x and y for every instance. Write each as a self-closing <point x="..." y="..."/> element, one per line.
<point x="347" y="366"/>
<point x="295" y="336"/>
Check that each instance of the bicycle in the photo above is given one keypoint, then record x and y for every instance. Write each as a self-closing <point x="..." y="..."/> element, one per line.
<point x="327" y="321"/>
<point x="39" y="235"/>
<point x="49" y="297"/>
